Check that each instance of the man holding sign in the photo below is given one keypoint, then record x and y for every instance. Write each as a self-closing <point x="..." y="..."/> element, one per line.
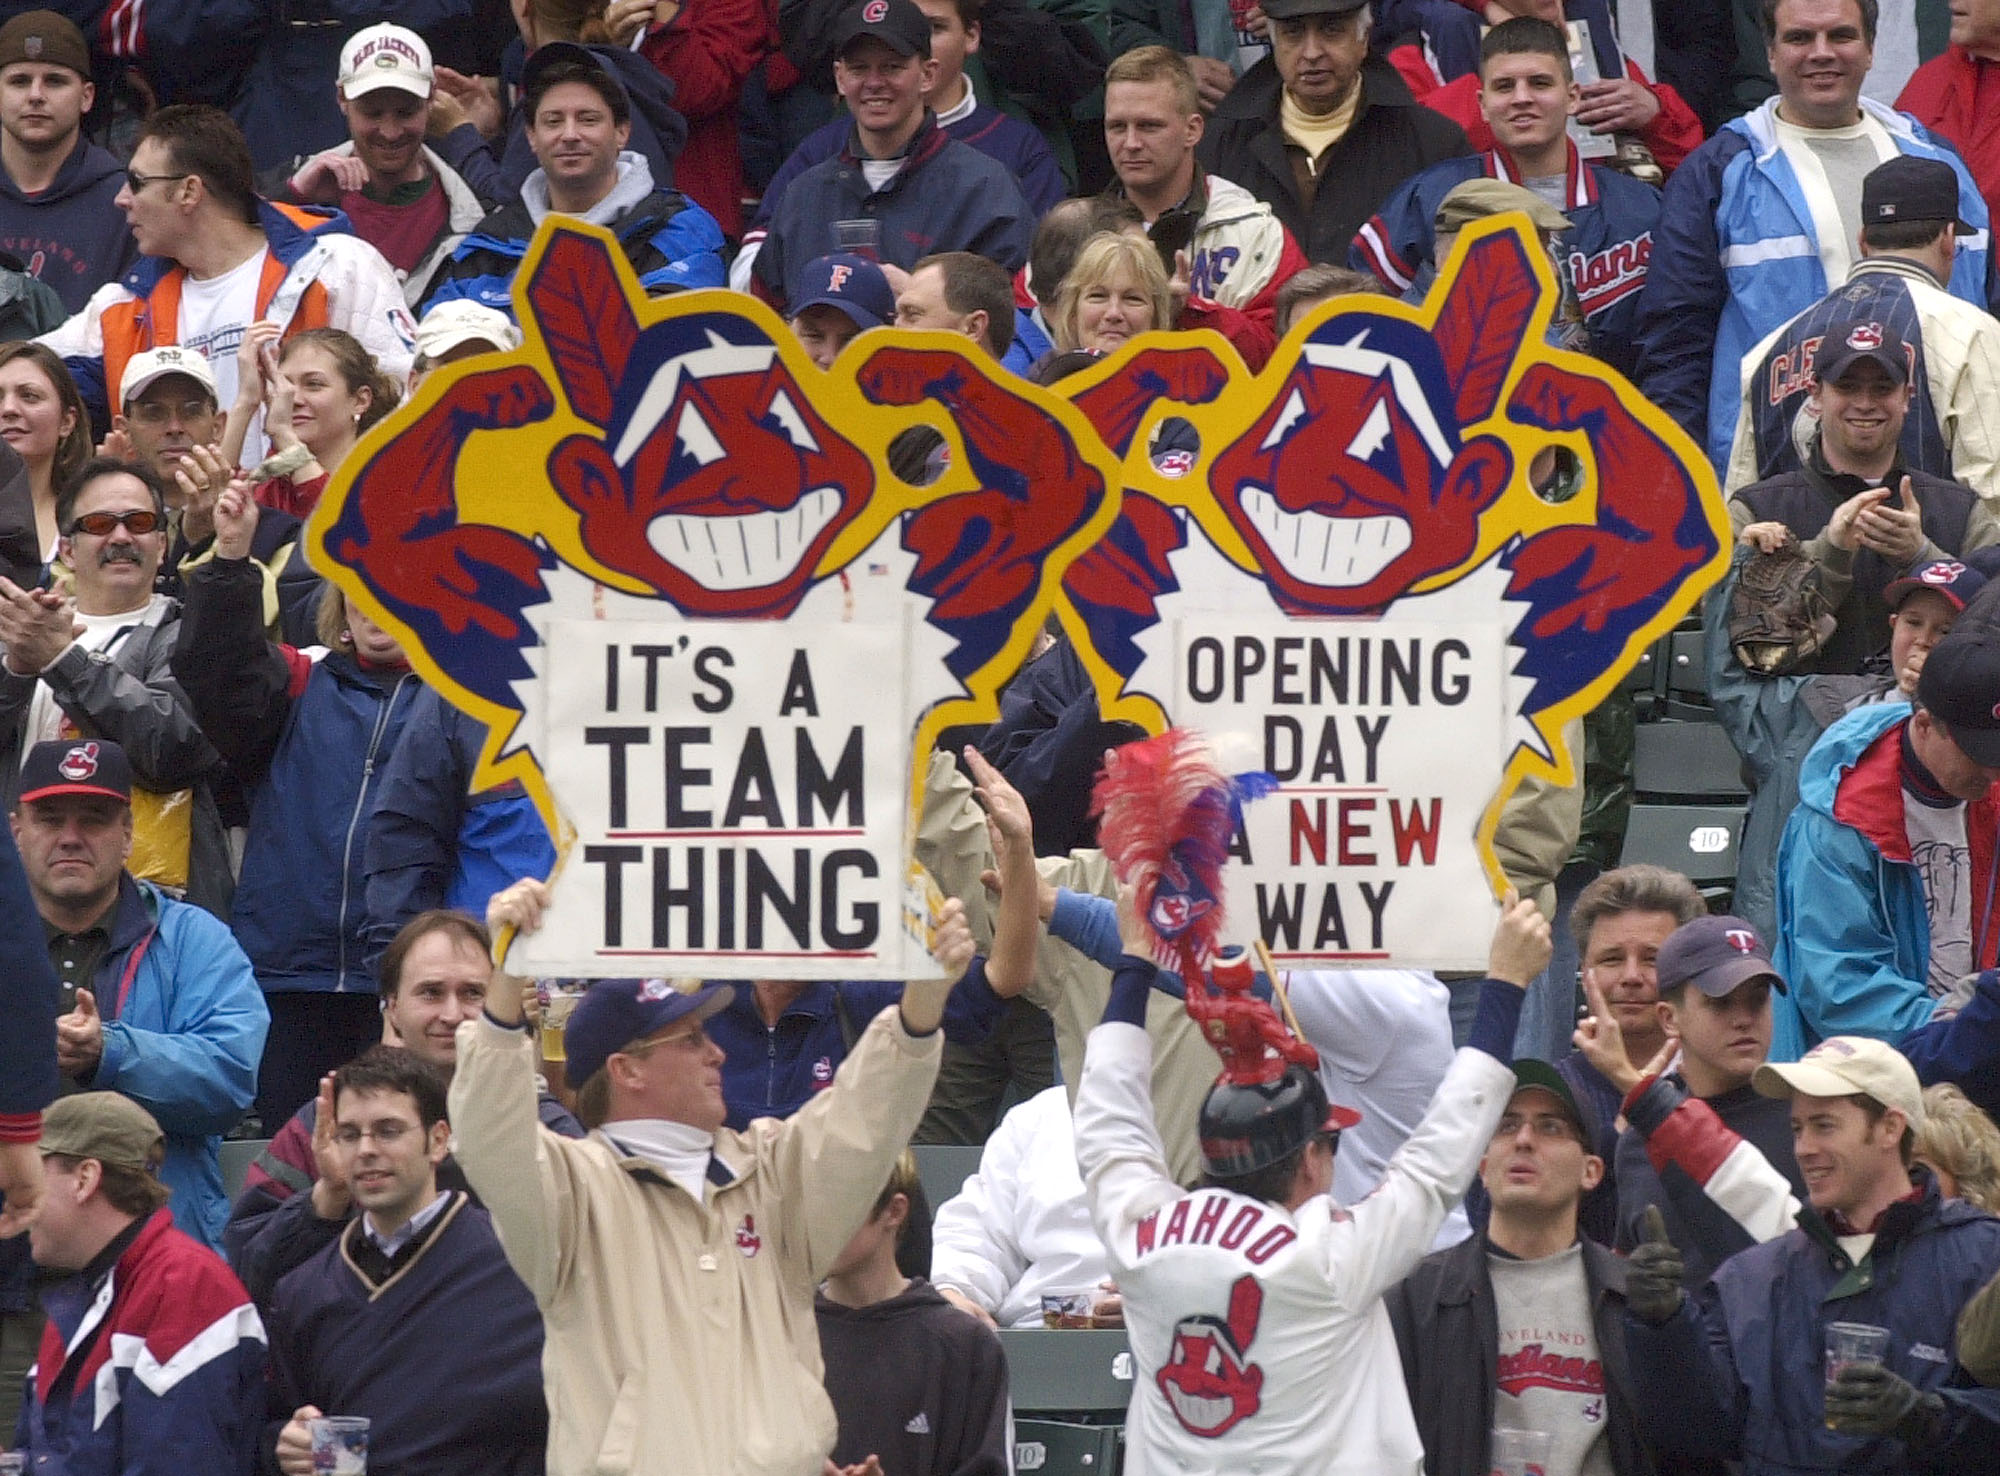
<point x="674" y="1260"/>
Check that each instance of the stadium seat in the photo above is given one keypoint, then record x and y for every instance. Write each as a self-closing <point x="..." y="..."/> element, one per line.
<point x="941" y="1168"/>
<point x="1686" y="760"/>
<point x="1699" y="841"/>
<point x="1067" y="1372"/>
<point x="1049" y="1447"/>
<point x="237" y="1156"/>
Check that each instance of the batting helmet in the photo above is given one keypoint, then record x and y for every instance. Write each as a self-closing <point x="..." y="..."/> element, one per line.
<point x="1248" y="1126"/>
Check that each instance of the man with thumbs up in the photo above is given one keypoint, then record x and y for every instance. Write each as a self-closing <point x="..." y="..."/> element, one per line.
<point x="159" y="1001"/>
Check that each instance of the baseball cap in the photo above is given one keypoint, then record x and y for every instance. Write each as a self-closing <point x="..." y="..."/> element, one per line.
<point x="44" y="36"/>
<point x="1286" y="9"/>
<point x="157" y="363"/>
<point x="76" y="766"/>
<point x="568" y="54"/>
<point x="1850" y="340"/>
<point x="1543" y="1077"/>
<point x="1846" y="1066"/>
<point x="460" y="321"/>
<point x="1961" y="688"/>
<point x="614" y="1013"/>
<point x="1909" y="188"/>
<point x="107" y="1126"/>
<point x="1957" y="582"/>
<point x="853" y="284"/>
<point x="897" y="24"/>
<point x="386" y="56"/>
<point x="1715" y="955"/>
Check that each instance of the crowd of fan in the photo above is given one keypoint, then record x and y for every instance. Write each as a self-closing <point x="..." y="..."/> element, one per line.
<point x="691" y="1238"/>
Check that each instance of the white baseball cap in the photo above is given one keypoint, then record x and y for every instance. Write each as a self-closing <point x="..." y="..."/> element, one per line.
<point x="385" y="56"/>
<point x="1848" y="1066"/>
<point x="157" y="363"/>
<point x="460" y="321"/>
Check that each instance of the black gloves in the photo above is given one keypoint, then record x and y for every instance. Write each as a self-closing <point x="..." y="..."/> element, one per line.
<point x="1867" y="1399"/>
<point x="1653" y="1273"/>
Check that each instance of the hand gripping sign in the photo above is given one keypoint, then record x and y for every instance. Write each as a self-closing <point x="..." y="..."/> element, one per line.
<point x="661" y="556"/>
<point x="670" y="565"/>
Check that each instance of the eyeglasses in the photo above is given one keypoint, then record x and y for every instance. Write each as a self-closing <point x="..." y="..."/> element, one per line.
<point x="696" y="1039"/>
<point x="157" y="412"/>
<point x="1545" y="1126"/>
<point x="388" y="1134"/>
<point x="135" y="181"/>
<point x="100" y="524"/>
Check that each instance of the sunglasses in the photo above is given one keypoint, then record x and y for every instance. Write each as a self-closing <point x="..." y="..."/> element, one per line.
<point x="100" y="524"/>
<point x="135" y="181"/>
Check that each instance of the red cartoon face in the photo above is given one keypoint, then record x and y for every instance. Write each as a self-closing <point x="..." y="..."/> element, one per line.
<point x="720" y="486"/>
<point x="1207" y="1380"/>
<point x="1336" y="487"/>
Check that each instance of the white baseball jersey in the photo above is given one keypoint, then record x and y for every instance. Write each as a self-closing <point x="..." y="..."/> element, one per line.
<point x="1259" y="1339"/>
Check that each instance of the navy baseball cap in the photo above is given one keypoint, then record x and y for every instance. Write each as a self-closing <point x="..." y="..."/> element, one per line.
<point x="1715" y="955"/>
<point x="1850" y="340"/>
<point x="567" y="53"/>
<point x="1910" y="188"/>
<point x="853" y="284"/>
<point x="615" y="1013"/>
<point x="76" y="766"/>
<point x="1961" y="688"/>
<point x="897" y="24"/>
<point x="1957" y="582"/>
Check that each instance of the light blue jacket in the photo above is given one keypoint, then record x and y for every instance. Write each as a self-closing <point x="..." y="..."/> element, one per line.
<point x="1736" y="256"/>
<point x="1854" y="937"/>
<point x="184" y="1027"/>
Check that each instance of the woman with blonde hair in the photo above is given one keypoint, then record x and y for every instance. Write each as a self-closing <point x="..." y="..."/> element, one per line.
<point x="318" y="390"/>
<point x="1959" y="1143"/>
<point x="1118" y="289"/>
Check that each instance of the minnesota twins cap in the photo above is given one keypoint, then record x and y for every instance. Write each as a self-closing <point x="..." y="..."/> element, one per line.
<point x="853" y="284"/>
<point x="1961" y="688"/>
<point x="76" y="766"/>
<point x="1957" y="582"/>
<point x="1850" y="340"/>
<point x="897" y="24"/>
<point x="1715" y="955"/>
<point x="616" y="1013"/>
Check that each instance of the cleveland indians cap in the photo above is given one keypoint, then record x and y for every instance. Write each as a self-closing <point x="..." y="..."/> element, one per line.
<point x="1715" y="955"/>
<point x="853" y="284"/>
<point x="76" y="766"/>
<point x="1961" y="688"/>
<point x="1850" y="340"/>
<point x="1849" y="1065"/>
<point x="386" y="56"/>
<point x="897" y="24"/>
<point x="1957" y="582"/>
<point x="616" y="1013"/>
<point x="1908" y="188"/>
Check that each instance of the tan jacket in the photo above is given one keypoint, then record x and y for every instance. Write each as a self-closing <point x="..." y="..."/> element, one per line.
<point x="680" y="1336"/>
<point x="952" y="844"/>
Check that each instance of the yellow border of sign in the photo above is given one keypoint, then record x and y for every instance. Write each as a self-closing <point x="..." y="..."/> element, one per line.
<point x="1518" y="512"/>
<point x="491" y="487"/>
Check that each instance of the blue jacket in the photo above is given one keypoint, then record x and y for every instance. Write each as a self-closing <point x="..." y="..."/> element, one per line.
<point x="151" y="1364"/>
<point x="774" y="1070"/>
<point x="1030" y="342"/>
<point x="1854" y="936"/>
<point x="184" y="1027"/>
<point x="429" y="843"/>
<point x="1019" y="149"/>
<point x="1605" y="253"/>
<point x="673" y="244"/>
<point x="309" y="742"/>
<point x="1739" y="1374"/>
<point x="946" y="197"/>
<point x="1736" y="255"/>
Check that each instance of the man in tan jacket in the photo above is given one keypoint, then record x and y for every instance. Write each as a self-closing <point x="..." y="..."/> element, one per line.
<point x="673" y="1259"/>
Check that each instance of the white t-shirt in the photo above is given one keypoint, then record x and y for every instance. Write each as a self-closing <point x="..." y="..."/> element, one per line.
<point x="214" y="315"/>
<point x="1944" y="860"/>
<point x="100" y="633"/>
<point x="1830" y="164"/>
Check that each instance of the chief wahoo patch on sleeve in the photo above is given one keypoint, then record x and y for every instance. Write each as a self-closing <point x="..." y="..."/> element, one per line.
<point x="1208" y="1379"/>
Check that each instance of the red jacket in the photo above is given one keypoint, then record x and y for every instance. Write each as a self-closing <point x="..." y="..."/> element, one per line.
<point x="706" y="51"/>
<point x="1673" y="134"/>
<point x="1958" y="95"/>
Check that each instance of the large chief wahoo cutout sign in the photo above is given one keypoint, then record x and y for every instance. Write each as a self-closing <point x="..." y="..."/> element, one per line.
<point x="667" y="562"/>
